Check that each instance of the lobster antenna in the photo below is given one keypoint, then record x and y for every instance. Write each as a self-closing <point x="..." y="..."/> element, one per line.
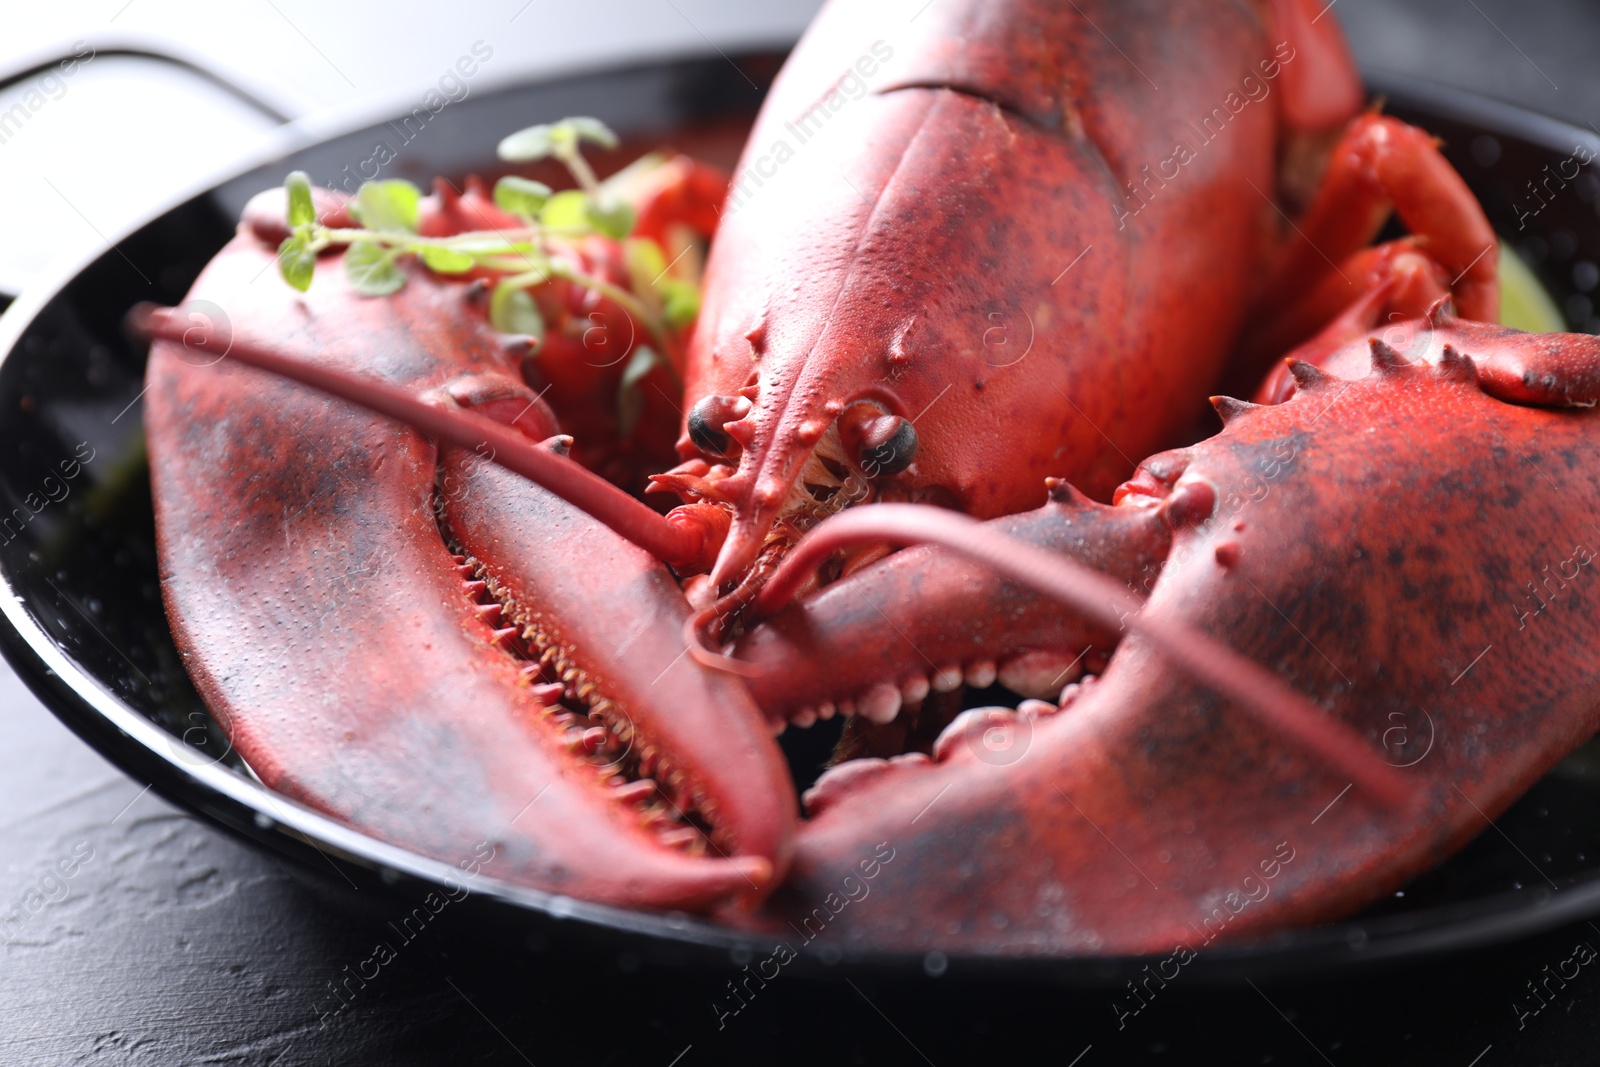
<point x="673" y="543"/>
<point x="1096" y="596"/>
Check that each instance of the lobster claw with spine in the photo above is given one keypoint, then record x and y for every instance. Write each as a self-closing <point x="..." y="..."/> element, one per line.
<point x="1395" y="540"/>
<point x="434" y="651"/>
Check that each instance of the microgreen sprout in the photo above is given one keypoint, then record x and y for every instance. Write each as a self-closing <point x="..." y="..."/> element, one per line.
<point x="523" y="257"/>
<point x="518" y="258"/>
<point x="563" y="141"/>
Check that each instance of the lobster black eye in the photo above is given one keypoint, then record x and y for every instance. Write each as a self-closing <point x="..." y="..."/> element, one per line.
<point x="894" y="454"/>
<point x="707" y="419"/>
<point x="880" y="444"/>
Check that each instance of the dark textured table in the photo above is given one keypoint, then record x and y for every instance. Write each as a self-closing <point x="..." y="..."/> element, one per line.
<point x="131" y="933"/>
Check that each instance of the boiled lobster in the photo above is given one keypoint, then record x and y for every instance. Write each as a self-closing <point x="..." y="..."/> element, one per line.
<point x="1014" y="263"/>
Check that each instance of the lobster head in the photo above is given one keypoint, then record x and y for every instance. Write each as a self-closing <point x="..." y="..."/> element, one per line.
<point x="804" y="410"/>
<point x="922" y="289"/>
<point x="820" y="379"/>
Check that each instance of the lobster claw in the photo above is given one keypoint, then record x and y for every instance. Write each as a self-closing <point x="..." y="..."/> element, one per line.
<point x="376" y="678"/>
<point x="921" y="621"/>
<point x="1399" y="584"/>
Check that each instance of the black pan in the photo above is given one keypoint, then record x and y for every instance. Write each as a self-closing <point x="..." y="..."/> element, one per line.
<point x="84" y="625"/>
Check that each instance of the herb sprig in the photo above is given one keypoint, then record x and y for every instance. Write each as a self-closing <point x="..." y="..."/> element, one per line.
<point x="526" y="256"/>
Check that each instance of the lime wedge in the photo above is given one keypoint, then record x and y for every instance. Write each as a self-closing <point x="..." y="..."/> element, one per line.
<point x="1524" y="304"/>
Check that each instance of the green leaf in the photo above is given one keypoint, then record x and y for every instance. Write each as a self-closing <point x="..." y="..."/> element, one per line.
<point x="301" y="210"/>
<point x="614" y="220"/>
<point x="526" y="146"/>
<point x="521" y="196"/>
<point x="388" y="206"/>
<point x="630" y="398"/>
<point x="555" y="139"/>
<point x="371" y="269"/>
<point x="445" y="260"/>
<point x="588" y="129"/>
<point x="677" y="298"/>
<point x="681" y="302"/>
<point x="567" y="212"/>
<point x="512" y="310"/>
<point x="296" y="262"/>
<point x="645" y="261"/>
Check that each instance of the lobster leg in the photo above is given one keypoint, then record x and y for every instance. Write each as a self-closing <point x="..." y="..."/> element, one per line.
<point x="1321" y="88"/>
<point x="1358" y="320"/>
<point x="1380" y="164"/>
<point x="1056" y="833"/>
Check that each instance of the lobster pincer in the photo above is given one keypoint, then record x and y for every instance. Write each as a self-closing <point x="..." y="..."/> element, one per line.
<point x="1145" y="810"/>
<point x="921" y="621"/>
<point x="394" y="669"/>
